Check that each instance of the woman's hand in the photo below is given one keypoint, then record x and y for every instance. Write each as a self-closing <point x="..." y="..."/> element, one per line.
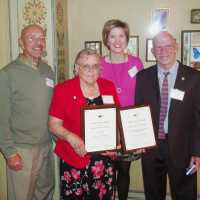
<point x="139" y="151"/>
<point x="57" y="128"/>
<point x="111" y="154"/>
<point x="77" y="144"/>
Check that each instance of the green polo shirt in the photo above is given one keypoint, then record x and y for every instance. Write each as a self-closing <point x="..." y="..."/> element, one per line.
<point x="25" y="94"/>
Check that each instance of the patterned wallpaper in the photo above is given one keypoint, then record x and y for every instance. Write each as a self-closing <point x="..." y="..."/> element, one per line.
<point x="41" y="12"/>
<point x="60" y="33"/>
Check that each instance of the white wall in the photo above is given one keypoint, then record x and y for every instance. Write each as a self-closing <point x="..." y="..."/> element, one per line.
<point x="86" y="19"/>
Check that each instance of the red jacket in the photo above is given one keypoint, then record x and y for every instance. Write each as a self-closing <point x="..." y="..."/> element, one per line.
<point x="66" y="105"/>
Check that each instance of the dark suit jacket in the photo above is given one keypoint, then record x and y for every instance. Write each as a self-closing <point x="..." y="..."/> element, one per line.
<point x="184" y="116"/>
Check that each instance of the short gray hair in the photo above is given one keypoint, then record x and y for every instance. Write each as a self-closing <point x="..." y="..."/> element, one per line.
<point x="163" y="33"/>
<point x="85" y="52"/>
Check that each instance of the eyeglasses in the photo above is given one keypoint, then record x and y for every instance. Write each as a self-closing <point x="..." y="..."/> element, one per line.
<point x="88" y="68"/>
<point x="35" y="39"/>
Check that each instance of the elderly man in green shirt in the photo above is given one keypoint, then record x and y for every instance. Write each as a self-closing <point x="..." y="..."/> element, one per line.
<point x="25" y="88"/>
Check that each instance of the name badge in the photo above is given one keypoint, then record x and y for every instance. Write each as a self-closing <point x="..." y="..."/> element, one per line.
<point x="177" y="94"/>
<point x="108" y="99"/>
<point x="133" y="71"/>
<point x="49" y="82"/>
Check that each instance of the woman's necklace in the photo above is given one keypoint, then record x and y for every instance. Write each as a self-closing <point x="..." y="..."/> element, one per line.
<point x="123" y="60"/>
<point x="90" y="91"/>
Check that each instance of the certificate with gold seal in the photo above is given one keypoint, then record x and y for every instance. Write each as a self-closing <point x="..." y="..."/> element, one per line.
<point x="99" y="125"/>
<point x="136" y="128"/>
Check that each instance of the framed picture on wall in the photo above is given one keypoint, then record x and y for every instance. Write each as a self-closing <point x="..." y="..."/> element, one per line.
<point x="190" y="48"/>
<point x="94" y="45"/>
<point x="149" y="56"/>
<point x="133" y="45"/>
<point x="195" y="16"/>
<point x="159" y="19"/>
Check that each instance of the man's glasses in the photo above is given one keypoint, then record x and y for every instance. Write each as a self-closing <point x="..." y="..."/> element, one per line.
<point x="167" y="48"/>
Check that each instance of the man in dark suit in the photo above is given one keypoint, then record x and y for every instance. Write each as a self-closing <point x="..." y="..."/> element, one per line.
<point x="173" y="92"/>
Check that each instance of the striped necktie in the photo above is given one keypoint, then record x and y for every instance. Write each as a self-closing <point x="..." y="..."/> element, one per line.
<point x="163" y="107"/>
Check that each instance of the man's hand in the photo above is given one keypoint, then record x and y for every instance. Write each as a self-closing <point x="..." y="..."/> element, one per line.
<point x="195" y="160"/>
<point x="15" y="162"/>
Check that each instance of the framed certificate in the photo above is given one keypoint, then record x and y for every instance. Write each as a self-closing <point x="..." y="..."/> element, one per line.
<point x="99" y="125"/>
<point x="136" y="128"/>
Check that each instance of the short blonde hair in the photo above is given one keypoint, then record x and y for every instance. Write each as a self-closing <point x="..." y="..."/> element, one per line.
<point x="114" y="23"/>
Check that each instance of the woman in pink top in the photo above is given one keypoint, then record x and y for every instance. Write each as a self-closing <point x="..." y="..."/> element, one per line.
<point x="120" y="68"/>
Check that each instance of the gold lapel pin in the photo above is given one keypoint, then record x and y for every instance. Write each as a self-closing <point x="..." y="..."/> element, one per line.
<point x="183" y="78"/>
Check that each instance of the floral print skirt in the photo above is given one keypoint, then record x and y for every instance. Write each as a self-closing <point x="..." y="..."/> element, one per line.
<point x="95" y="182"/>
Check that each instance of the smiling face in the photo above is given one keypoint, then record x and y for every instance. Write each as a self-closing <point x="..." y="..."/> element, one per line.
<point x="88" y="68"/>
<point x="165" y="50"/>
<point x="32" y="42"/>
<point x="117" y="40"/>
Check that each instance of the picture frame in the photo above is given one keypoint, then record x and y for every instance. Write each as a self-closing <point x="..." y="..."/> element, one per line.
<point x="190" y="48"/>
<point x="159" y="19"/>
<point x="149" y="45"/>
<point x="133" y="45"/>
<point x="94" y="45"/>
<point x="99" y="119"/>
<point x="195" y="16"/>
<point x="136" y="128"/>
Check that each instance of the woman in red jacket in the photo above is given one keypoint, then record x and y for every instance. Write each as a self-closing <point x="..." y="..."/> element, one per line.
<point x="83" y="176"/>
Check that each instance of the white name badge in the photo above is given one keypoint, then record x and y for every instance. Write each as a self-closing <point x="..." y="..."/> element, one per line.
<point x="177" y="94"/>
<point x="133" y="71"/>
<point x="108" y="99"/>
<point x="49" y="82"/>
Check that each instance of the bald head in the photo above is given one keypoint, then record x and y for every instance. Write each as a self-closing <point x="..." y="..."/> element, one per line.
<point x="165" y="49"/>
<point x="31" y="28"/>
<point x="163" y="35"/>
<point x="32" y="42"/>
